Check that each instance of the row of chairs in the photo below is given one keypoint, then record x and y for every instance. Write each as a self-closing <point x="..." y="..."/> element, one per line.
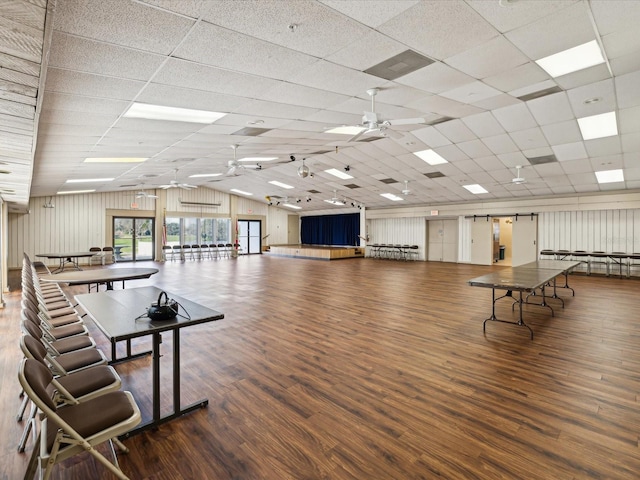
<point x="75" y="396"/>
<point x="394" y="251"/>
<point x="210" y="251"/>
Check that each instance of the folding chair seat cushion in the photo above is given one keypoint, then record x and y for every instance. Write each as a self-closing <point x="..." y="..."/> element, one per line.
<point x="79" y="359"/>
<point x="89" y="381"/>
<point x="114" y="408"/>
<point x="65" y="331"/>
<point x="72" y="344"/>
<point x="64" y="320"/>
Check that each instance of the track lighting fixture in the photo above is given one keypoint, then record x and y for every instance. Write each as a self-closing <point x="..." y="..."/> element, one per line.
<point x="308" y="199"/>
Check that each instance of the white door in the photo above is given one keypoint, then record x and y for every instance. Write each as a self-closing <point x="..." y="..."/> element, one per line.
<point x="435" y="235"/>
<point x="482" y="241"/>
<point x="524" y="240"/>
<point x="443" y="241"/>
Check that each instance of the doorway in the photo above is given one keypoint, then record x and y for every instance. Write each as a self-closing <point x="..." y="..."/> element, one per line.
<point x="249" y="237"/>
<point x="133" y="239"/>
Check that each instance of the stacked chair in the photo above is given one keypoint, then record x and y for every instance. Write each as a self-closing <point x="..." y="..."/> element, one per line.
<point x="75" y="396"/>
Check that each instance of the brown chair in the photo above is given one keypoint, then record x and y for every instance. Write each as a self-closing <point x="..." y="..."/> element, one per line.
<point x="69" y="430"/>
<point x="72" y="388"/>
<point x="108" y="255"/>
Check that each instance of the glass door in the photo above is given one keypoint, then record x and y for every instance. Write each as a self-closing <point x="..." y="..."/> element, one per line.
<point x="133" y="239"/>
<point x="249" y="236"/>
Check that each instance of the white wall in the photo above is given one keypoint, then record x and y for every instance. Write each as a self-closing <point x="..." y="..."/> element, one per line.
<point x="79" y="222"/>
<point x="403" y="231"/>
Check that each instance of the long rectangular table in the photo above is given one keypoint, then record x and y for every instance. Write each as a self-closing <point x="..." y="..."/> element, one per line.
<point x="65" y="258"/>
<point x="119" y="314"/>
<point x="525" y="278"/>
<point x="99" y="276"/>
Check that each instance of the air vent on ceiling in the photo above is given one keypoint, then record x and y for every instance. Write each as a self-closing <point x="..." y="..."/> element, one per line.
<point x="389" y="180"/>
<point x="313" y="191"/>
<point x="542" y="159"/>
<point x="251" y="131"/>
<point x="352" y="186"/>
<point x="133" y="185"/>
<point x="434" y="174"/>
<point x="540" y="93"/>
<point x="399" y="65"/>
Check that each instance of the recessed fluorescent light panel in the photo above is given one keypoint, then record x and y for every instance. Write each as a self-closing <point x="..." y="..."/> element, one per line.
<point x="235" y="190"/>
<point x="431" y="157"/>
<point x="346" y="130"/>
<point x="337" y="173"/>
<point x="610" y="176"/>
<point x="334" y="202"/>
<point x="203" y="175"/>
<point x="86" y="180"/>
<point x="160" y="112"/>
<point x="571" y="60"/>
<point x="475" y="189"/>
<point x="280" y="184"/>
<point x="598" y="126"/>
<point x="295" y="207"/>
<point x="258" y="159"/>
<point x="70" y="192"/>
<point x="391" y="196"/>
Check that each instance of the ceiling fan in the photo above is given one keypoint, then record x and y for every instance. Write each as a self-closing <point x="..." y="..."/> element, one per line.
<point x="406" y="190"/>
<point x="233" y="166"/>
<point x="518" y="180"/>
<point x="371" y="123"/>
<point x="175" y="184"/>
<point x="143" y="194"/>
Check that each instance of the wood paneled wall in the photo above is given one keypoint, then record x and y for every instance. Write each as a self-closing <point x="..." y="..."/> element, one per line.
<point x="606" y="230"/>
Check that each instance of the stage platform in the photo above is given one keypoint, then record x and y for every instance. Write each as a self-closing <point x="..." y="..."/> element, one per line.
<point x="318" y="252"/>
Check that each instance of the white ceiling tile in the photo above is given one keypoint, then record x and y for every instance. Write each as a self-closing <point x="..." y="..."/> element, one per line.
<point x="506" y="17"/>
<point x="171" y="96"/>
<point x="563" y="132"/>
<point x="62" y="102"/>
<point x="376" y="12"/>
<point x="451" y="153"/>
<point x="445" y="107"/>
<point x="439" y="29"/>
<point x="241" y="53"/>
<point x="603" y="146"/>
<point x="521" y="77"/>
<point x="456" y="131"/>
<point x="90" y="85"/>
<point x="366" y="51"/>
<point x="431" y="137"/>
<point x="515" y="117"/>
<point x="499" y="101"/>
<point x="628" y="89"/>
<point x="471" y="93"/>
<point x="584" y="77"/>
<point x="566" y="28"/>
<point x="513" y="159"/>
<point x="335" y="78"/>
<point x="122" y="23"/>
<point x="475" y="149"/>
<point x="614" y="15"/>
<point x="577" y="166"/>
<point x="607" y="162"/>
<point x="435" y="78"/>
<point x="625" y="64"/>
<point x="621" y="43"/>
<point x="293" y="94"/>
<point x="629" y="120"/>
<point x="74" y="53"/>
<point x="529" y="139"/>
<point x="500" y="144"/>
<point x="483" y="125"/>
<point x="550" y="109"/>
<point x="318" y="31"/>
<point x="631" y="143"/>
<point x="488" y="59"/>
<point x="570" y="151"/>
<point x="182" y="73"/>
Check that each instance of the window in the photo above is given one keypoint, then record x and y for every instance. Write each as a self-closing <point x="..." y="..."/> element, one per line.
<point x="191" y="230"/>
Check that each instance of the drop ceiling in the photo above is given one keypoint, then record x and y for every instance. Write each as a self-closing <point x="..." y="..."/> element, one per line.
<point x="285" y="72"/>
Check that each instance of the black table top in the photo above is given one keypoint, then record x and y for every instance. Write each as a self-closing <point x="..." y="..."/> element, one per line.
<point x="115" y="312"/>
<point x="525" y="279"/>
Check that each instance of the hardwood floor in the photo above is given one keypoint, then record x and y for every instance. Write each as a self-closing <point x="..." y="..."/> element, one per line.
<point x="374" y="369"/>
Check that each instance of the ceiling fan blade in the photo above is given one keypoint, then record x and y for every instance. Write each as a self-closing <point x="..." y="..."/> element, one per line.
<point x="407" y="121"/>
<point x="358" y="135"/>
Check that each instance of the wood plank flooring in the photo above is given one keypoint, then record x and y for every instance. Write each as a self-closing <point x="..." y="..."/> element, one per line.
<point x="374" y="369"/>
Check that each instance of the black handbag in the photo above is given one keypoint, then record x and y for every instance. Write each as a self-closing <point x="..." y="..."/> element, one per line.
<point x="163" y="310"/>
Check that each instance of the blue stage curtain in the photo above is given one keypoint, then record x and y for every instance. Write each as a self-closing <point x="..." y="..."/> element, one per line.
<point x="331" y="229"/>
